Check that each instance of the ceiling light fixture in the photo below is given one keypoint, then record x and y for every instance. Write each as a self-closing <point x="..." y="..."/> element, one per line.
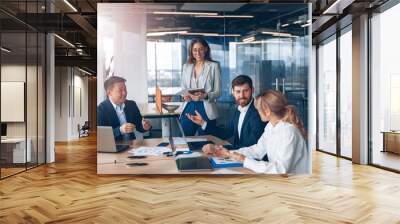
<point x="64" y="40"/>
<point x="280" y="34"/>
<point x="249" y="39"/>
<point x="186" y="13"/>
<point x="331" y="7"/>
<point x="70" y="5"/>
<point x="84" y="71"/>
<point x="285" y="25"/>
<point x="163" y="33"/>
<point x="214" y="34"/>
<point x="5" y="50"/>
<point x="227" y="16"/>
<point x="230" y="35"/>
<point x="297" y="22"/>
<point x="306" y="24"/>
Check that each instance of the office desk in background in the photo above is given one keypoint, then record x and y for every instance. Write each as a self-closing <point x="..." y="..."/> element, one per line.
<point x="115" y="163"/>
<point x="391" y="141"/>
<point x="13" y="150"/>
<point x="148" y="110"/>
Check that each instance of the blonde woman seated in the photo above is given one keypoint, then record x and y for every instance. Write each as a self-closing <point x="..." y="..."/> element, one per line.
<point x="282" y="140"/>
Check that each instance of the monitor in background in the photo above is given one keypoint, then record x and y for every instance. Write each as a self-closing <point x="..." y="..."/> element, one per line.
<point x="3" y="130"/>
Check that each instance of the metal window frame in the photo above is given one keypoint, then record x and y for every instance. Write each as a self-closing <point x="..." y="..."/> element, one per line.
<point x="339" y="32"/>
<point x="381" y="9"/>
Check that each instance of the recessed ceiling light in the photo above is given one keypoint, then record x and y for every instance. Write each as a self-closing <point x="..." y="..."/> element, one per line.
<point x="186" y="13"/>
<point x="227" y="16"/>
<point x="163" y="33"/>
<point x="70" y="5"/>
<point x="64" y="40"/>
<point x="5" y="50"/>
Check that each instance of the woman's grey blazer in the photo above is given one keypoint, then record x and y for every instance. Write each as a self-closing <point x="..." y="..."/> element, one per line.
<point x="210" y="80"/>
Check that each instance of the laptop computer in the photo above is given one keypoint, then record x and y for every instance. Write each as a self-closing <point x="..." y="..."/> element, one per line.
<point x="187" y="164"/>
<point x="193" y="146"/>
<point x="106" y="141"/>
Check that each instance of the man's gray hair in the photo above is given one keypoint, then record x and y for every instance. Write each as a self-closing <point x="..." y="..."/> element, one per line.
<point x="112" y="80"/>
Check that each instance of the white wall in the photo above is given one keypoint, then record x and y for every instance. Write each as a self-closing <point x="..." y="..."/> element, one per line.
<point x="121" y="36"/>
<point x="70" y="83"/>
<point x="33" y="126"/>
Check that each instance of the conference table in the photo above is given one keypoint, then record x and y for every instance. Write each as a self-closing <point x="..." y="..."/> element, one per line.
<point x="116" y="163"/>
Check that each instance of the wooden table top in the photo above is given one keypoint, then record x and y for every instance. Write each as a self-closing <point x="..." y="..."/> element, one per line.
<point x="116" y="163"/>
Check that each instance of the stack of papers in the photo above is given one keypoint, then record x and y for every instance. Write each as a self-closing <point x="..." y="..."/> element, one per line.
<point x="150" y="151"/>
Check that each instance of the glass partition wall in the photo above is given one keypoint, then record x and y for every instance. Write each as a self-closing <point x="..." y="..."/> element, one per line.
<point x="327" y="79"/>
<point x="22" y="79"/>
<point x="334" y="84"/>
<point x="385" y="90"/>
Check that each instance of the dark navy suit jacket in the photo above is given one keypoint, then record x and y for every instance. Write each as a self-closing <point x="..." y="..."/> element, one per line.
<point x="107" y="116"/>
<point x="252" y="129"/>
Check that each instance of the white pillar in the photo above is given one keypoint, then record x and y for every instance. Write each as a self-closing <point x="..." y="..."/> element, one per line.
<point x="50" y="99"/>
<point x="360" y="90"/>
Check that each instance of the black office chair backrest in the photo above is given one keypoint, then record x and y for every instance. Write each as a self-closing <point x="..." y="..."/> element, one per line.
<point x="86" y="126"/>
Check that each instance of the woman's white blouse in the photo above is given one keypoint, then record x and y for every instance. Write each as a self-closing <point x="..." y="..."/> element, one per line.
<point x="286" y="149"/>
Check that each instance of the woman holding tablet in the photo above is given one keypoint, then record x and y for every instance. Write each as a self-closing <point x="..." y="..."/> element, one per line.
<point x="201" y="84"/>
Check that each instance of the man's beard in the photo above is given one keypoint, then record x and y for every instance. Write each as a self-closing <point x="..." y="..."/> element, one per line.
<point x="239" y="102"/>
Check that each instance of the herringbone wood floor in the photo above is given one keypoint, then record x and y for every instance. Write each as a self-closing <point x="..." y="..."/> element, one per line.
<point x="70" y="191"/>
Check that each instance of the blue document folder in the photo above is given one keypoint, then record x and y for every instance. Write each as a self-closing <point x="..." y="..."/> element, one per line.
<point x="224" y="163"/>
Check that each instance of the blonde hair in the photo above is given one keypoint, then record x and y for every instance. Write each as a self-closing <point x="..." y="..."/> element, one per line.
<point x="278" y="105"/>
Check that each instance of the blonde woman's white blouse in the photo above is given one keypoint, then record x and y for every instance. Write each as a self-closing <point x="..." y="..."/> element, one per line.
<point x="286" y="149"/>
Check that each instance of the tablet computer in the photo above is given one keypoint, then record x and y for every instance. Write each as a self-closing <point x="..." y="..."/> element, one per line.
<point x="187" y="164"/>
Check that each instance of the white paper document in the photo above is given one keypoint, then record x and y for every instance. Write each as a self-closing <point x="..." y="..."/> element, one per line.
<point x="182" y="149"/>
<point x="150" y="151"/>
<point x="179" y="141"/>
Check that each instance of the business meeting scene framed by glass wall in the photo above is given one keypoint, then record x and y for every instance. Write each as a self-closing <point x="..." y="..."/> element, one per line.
<point x="184" y="76"/>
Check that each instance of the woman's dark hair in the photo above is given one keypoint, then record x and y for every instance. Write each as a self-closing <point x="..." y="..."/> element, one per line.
<point x="207" y="57"/>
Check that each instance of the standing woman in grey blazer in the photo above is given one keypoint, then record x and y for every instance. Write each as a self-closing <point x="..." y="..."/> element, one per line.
<point x="200" y="71"/>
